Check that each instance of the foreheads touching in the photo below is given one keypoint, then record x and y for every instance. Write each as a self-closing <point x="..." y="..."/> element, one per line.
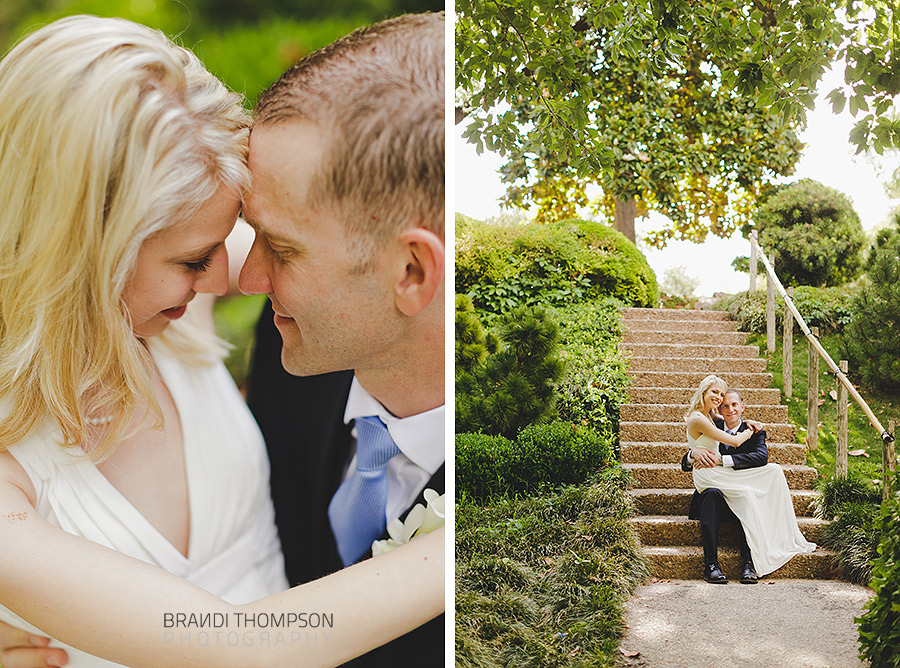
<point x="376" y="96"/>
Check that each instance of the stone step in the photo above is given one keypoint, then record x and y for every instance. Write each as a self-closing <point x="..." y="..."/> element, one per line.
<point x="691" y="350"/>
<point x="675" y="431"/>
<point x="672" y="314"/>
<point x="687" y="364"/>
<point x="631" y="452"/>
<point x="678" y="501"/>
<point x="671" y="476"/>
<point x="679" y="530"/>
<point x="682" y="337"/>
<point x="697" y="331"/>
<point x="691" y="379"/>
<point x="675" y="412"/>
<point x="686" y="563"/>
<point x="757" y="396"/>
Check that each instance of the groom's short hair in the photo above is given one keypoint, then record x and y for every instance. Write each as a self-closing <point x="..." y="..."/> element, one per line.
<point x="378" y="96"/>
<point x="733" y="390"/>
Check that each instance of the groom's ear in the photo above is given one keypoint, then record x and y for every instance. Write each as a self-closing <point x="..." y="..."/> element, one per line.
<point x="420" y="273"/>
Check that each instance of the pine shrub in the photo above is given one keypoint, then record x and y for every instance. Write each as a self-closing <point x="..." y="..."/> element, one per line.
<point x="873" y="334"/>
<point x="514" y="386"/>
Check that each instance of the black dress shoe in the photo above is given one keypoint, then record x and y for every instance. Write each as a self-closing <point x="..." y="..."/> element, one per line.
<point x="713" y="574"/>
<point x="748" y="574"/>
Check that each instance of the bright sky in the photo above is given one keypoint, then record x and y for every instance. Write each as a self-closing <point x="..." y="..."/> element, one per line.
<point x="828" y="158"/>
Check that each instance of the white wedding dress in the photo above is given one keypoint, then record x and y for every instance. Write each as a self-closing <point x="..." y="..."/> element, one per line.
<point x="233" y="548"/>
<point x="762" y="502"/>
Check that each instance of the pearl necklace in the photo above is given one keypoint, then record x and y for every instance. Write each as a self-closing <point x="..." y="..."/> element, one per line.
<point x="99" y="421"/>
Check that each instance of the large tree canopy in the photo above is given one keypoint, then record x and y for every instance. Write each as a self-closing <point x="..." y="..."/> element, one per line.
<point x="690" y="108"/>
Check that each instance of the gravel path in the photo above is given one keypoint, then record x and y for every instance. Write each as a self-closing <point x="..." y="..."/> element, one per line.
<point x="773" y="624"/>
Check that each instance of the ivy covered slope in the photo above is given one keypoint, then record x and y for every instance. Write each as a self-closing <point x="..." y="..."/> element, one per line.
<point x="545" y="555"/>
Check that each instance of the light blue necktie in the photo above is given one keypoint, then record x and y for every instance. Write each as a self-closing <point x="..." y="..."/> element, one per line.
<point x="357" y="509"/>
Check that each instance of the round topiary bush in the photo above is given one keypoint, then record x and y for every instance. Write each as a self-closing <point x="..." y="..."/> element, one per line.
<point x="501" y="266"/>
<point x="813" y="232"/>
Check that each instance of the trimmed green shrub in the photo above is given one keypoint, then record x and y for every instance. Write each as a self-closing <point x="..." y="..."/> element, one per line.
<point x="542" y="580"/>
<point x="879" y="625"/>
<point x="829" y="309"/>
<point x="514" y="386"/>
<point x="501" y="266"/>
<point x="541" y="456"/>
<point x="813" y="232"/>
<point x="873" y="335"/>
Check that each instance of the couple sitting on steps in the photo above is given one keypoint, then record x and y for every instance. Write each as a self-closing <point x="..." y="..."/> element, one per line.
<point x="734" y="481"/>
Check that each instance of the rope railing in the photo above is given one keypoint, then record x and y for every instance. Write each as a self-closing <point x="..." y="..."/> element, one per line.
<point x="756" y="254"/>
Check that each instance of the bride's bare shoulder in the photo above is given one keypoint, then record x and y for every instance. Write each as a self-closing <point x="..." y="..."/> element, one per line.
<point x="13" y="475"/>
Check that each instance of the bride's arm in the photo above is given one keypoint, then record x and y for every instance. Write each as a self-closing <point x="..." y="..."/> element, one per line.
<point x="697" y="424"/>
<point x="114" y="606"/>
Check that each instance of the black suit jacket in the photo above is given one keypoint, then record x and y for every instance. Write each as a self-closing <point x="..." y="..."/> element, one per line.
<point x="750" y="454"/>
<point x="302" y="420"/>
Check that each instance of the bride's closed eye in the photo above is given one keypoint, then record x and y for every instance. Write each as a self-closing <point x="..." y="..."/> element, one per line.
<point x="201" y="265"/>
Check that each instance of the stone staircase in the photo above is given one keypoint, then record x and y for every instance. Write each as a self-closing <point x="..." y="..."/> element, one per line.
<point x="672" y="350"/>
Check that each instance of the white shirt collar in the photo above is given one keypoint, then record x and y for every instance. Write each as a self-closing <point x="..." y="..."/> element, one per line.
<point x="735" y="430"/>
<point x="420" y="437"/>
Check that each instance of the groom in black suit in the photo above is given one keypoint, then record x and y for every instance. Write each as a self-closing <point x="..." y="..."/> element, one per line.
<point x="709" y="506"/>
<point x="347" y="159"/>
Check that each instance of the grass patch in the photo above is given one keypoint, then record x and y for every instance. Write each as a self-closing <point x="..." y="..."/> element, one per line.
<point x="861" y="434"/>
<point x="542" y="580"/>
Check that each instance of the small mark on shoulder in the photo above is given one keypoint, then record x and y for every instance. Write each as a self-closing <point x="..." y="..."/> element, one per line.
<point x="15" y="517"/>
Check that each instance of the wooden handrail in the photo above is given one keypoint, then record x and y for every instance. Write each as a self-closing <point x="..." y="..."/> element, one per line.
<point x="886" y="436"/>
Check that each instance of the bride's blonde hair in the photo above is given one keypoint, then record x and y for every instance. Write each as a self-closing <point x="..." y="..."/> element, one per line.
<point x="109" y="133"/>
<point x="696" y="403"/>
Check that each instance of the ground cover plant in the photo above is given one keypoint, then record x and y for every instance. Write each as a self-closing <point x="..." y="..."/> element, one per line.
<point x="542" y="580"/>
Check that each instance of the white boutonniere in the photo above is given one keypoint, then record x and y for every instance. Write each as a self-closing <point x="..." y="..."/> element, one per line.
<point x="420" y="520"/>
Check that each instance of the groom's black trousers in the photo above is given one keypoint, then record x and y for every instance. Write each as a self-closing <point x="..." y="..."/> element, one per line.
<point x="712" y="512"/>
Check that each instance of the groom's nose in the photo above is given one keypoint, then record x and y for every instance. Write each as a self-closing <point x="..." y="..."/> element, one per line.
<point x="254" y="277"/>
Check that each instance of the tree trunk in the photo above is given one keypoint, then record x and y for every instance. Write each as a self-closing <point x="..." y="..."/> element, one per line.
<point x="625" y="214"/>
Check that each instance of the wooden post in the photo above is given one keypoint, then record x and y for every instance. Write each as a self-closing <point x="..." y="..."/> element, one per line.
<point x="788" y="348"/>
<point x="770" y="309"/>
<point x="888" y="464"/>
<point x="840" y="455"/>
<point x="753" y="262"/>
<point x="812" y="396"/>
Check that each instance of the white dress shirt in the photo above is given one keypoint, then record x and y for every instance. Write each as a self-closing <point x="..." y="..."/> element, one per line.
<point x="420" y="439"/>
